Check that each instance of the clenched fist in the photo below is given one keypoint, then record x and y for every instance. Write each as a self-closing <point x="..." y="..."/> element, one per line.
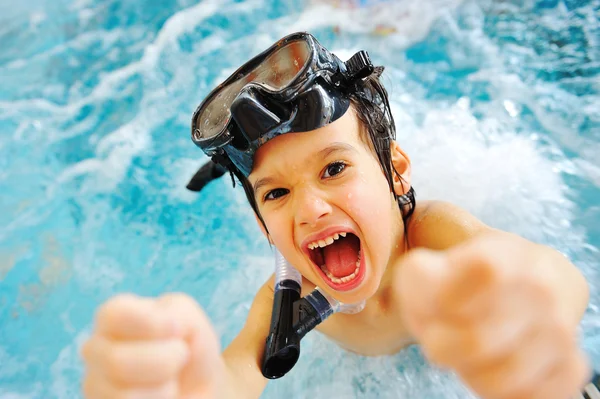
<point x="487" y="310"/>
<point x="152" y="348"/>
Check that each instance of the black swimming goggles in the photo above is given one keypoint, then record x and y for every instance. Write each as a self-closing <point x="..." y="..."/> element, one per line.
<point x="294" y="86"/>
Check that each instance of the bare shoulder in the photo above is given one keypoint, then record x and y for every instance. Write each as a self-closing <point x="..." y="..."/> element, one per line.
<point x="441" y="225"/>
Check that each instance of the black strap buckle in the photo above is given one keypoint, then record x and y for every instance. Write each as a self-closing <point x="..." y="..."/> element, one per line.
<point x="221" y="158"/>
<point x="359" y="66"/>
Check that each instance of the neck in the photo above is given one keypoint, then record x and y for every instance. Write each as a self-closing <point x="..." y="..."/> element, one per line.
<point x="399" y="248"/>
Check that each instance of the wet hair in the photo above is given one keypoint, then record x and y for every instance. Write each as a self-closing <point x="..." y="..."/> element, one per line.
<point x="369" y="99"/>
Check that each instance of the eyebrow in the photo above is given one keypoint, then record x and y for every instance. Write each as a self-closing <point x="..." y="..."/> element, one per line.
<point x="325" y="152"/>
<point x="261" y="182"/>
<point x="335" y="147"/>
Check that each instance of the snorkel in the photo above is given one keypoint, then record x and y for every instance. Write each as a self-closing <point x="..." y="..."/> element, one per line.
<point x="293" y="317"/>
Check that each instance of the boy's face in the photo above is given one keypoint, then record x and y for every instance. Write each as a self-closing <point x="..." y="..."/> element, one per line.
<point x="328" y="206"/>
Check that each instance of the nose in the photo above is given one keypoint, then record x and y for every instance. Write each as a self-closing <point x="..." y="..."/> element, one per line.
<point x="310" y="207"/>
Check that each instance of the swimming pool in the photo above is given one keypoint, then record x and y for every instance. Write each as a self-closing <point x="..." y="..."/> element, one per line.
<point x="496" y="102"/>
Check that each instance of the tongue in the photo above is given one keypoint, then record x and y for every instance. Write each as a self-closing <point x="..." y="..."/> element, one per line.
<point x="341" y="255"/>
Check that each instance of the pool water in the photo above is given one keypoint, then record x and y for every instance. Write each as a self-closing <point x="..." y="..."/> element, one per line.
<point x="496" y="102"/>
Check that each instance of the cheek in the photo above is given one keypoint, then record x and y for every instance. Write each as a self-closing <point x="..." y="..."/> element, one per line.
<point x="280" y="229"/>
<point x="370" y="206"/>
<point x="368" y="202"/>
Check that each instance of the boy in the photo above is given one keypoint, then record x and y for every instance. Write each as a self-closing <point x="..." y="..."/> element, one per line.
<point x="311" y="140"/>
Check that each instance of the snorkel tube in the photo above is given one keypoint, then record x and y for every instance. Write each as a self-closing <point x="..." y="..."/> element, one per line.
<point x="293" y="317"/>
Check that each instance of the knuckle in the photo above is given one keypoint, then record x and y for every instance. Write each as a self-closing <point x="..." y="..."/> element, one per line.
<point x="91" y="350"/>
<point x="110" y="308"/>
<point x="181" y="301"/>
<point x="86" y="351"/>
<point x="116" y="364"/>
<point x="177" y="298"/>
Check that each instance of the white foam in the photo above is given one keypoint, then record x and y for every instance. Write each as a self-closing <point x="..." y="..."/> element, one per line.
<point x="16" y="366"/>
<point x="229" y="312"/>
<point x="115" y="151"/>
<point x="178" y="24"/>
<point x="65" y="367"/>
<point x="180" y="172"/>
<point x="10" y="108"/>
<point x="114" y="155"/>
<point x="547" y="100"/>
<point x="34" y="392"/>
<point x="11" y="366"/>
<point x="590" y="170"/>
<point x="510" y="86"/>
<point x="500" y="176"/>
<point x="404" y="22"/>
<point x="91" y="269"/>
<point x="29" y="217"/>
<point x="81" y="41"/>
<point x="80" y="4"/>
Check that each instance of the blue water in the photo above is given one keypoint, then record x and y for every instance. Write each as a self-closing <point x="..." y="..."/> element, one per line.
<point x="496" y="103"/>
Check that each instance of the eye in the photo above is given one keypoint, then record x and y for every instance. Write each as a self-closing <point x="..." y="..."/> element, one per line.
<point x="276" y="193"/>
<point x="334" y="168"/>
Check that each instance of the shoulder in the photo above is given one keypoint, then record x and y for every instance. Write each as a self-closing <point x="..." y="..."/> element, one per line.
<point x="441" y="225"/>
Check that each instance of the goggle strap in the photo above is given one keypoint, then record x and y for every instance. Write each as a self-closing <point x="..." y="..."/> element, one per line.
<point x="220" y="158"/>
<point x="359" y="66"/>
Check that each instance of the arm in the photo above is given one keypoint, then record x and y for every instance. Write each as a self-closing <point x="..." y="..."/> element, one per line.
<point x="440" y="225"/>
<point x="499" y="310"/>
<point x="242" y="356"/>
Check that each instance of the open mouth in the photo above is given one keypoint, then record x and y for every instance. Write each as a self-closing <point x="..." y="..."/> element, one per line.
<point x="339" y="260"/>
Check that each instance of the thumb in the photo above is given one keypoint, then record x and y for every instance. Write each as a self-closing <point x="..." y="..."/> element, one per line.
<point x="205" y="371"/>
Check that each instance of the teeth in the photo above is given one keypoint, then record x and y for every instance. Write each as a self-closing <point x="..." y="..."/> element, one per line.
<point x="340" y="280"/>
<point x="326" y="241"/>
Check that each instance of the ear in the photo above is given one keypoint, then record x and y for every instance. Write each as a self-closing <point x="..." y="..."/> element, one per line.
<point x="401" y="163"/>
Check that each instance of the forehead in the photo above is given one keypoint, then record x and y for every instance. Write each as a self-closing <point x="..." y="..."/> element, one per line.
<point x="302" y="147"/>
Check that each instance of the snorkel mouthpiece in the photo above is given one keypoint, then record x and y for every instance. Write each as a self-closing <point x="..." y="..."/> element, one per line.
<point x="293" y="317"/>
